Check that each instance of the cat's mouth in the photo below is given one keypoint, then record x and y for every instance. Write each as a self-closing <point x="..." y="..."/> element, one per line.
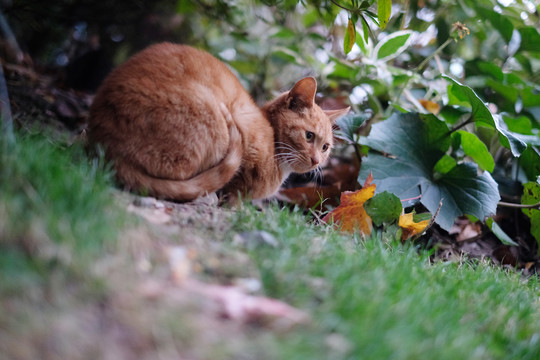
<point x="304" y="167"/>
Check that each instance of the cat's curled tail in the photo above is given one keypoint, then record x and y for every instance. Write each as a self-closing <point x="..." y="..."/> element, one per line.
<point x="206" y="182"/>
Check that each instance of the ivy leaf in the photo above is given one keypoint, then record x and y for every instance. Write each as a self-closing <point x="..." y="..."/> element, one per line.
<point x="383" y="208"/>
<point x="384" y="10"/>
<point x="350" y="37"/>
<point x="350" y="214"/>
<point x="392" y="45"/>
<point x="417" y="143"/>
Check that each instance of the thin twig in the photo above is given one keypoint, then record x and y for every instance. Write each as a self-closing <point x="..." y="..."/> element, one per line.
<point x="519" y="206"/>
<point x="463" y="124"/>
<point x="436" y="52"/>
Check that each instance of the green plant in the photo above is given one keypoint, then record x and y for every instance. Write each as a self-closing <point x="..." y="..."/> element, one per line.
<point x="56" y="209"/>
<point x="445" y="160"/>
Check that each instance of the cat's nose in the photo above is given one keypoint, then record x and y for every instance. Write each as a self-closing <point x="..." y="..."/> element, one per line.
<point x="315" y="160"/>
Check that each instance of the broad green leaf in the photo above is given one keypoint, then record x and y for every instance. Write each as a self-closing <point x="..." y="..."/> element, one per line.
<point x="530" y="38"/>
<point x="509" y="139"/>
<point x="491" y="69"/>
<point x="417" y="143"/>
<point x="383" y="208"/>
<point x="476" y="149"/>
<point x="392" y="45"/>
<point x="384" y="10"/>
<point x="349" y="124"/>
<point x="498" y="21"/>
<point x="519" y="124"/>
<point x="530" y="162"/>
<point x="451" y="114"/>
<point x="445" y="164"/>
<point x="531" y="196"/>
<point x="508" y="91"/>
<point x="499" y="233"/>
<point x="350" y="37"/>
<point x="463" y="192"/>
<point x="462" y="95"/>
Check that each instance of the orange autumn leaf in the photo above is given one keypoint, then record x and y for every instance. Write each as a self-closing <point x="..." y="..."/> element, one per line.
<point x="411" y="228"/>
<point x="350" y="214"/>
<point x="430" y="106"/>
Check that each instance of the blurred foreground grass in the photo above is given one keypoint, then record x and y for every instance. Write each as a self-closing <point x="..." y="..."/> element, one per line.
<point x="71" y="279"/>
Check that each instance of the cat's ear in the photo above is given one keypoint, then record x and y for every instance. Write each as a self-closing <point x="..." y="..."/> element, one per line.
<point x="333" y="115"/>
<point x="302" y="94"/>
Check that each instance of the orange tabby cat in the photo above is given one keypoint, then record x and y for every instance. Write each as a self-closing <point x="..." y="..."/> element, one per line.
<point x="178" y="124"/>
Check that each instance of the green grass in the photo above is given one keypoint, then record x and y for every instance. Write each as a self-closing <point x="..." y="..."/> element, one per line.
<point x="387" y="301"/>
<point x="368" y="299"/>
<point x="56" y="209"/>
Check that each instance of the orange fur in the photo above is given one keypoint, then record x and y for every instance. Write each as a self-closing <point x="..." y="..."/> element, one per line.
<point x="177" y="123"/>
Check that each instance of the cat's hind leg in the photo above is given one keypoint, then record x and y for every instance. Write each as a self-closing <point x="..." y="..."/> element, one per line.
<point x="206" y="182"/>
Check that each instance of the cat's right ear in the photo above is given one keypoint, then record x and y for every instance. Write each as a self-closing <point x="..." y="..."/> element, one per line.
<point x="302" y="95"/>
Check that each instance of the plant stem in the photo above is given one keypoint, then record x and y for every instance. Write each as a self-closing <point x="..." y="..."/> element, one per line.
<point x="436" y="52"/>
<point x="340" y="6"/>
<point x="463" y="124"/>
<point x="357" y="151"/>
<point x="519" y="206"/>
<point x="421" y="65"/>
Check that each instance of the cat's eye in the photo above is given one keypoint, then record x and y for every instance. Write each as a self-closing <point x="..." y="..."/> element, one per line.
<point x="310" y="136"/>
<point x="325" y="147"/>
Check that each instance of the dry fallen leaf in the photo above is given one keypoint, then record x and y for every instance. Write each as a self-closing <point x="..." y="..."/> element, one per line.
<point x="409" y="227"/>
<point x="350" y="214"/>
<point x="236" y="305"/>
<point x="430" y="106"/>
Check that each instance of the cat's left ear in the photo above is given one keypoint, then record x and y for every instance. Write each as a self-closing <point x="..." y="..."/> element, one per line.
<point x="333" y="115"/>
<point x="302" y="94"/>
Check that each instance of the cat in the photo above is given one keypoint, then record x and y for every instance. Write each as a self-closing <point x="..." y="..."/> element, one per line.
<point x="177" y="124"/>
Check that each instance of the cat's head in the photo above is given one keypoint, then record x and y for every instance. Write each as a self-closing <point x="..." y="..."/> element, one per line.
<point x="303" y="131"/>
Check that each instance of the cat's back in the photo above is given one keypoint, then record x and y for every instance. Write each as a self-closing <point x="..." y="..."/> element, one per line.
<point x="171" y="66"/>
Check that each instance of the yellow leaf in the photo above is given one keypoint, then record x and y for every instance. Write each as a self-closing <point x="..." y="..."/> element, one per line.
<point x="350" y="214"/>
<point x="430" y="106"/>
<point x="350" y="37"/>
<point x="411" y="228"/>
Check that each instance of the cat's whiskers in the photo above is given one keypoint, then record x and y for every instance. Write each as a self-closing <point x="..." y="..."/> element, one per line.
<point x="288" y="155"/>
<point x="317" y="174"/>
